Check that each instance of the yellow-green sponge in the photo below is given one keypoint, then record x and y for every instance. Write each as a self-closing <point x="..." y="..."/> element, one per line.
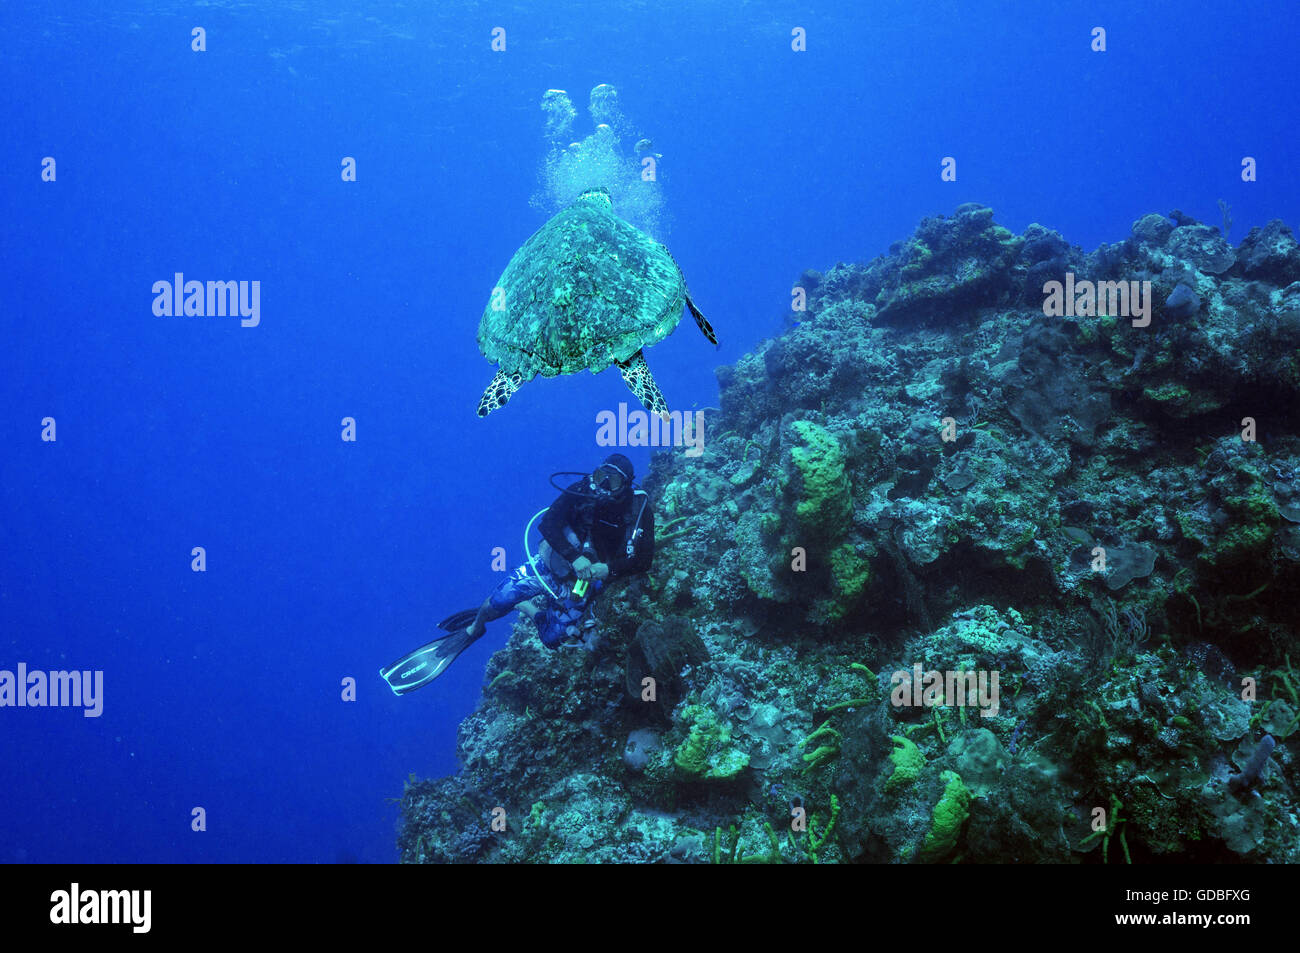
<point x="949" y="815"/>
<point x="908" y="762"/>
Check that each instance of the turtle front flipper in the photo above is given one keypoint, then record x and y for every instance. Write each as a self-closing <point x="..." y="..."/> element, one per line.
<point x="701" y="321"/>
<point x="639" y="380"/>
<point x="498" y="392"/>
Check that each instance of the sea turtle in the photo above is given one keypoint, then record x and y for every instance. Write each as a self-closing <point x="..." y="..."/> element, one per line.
<point x="587" y="290"/>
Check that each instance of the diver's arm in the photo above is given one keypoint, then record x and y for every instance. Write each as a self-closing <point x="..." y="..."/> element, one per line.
<point x="557" y="518"/>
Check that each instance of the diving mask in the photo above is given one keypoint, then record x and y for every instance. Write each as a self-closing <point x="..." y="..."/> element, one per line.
<point x="606" y="477"/>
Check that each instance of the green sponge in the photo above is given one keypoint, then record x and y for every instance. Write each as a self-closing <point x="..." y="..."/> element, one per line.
<point x="908" y="762"/>
<point x="949" y="815"/>
<point x="825" y="503"/>
<point x="849" y="572"/>
<point x="707" y="752"/>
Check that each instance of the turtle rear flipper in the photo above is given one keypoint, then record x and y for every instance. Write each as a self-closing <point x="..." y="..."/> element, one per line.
<point x="498" y="392"/>
<point x="639" y="380"/>
<point x="701" y="321"/>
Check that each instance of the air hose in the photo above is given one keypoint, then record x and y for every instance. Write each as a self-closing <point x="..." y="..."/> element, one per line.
<point x="527" y="552"/>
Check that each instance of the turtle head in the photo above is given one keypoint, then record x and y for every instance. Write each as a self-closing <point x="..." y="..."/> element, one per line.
<point x="599" y="196"/>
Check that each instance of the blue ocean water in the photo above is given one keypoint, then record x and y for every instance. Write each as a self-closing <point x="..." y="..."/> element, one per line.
<point x="325" y="558"/>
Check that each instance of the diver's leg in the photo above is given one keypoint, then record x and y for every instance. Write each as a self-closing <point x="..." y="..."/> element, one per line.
<point x="550" y="628"/>
<point x="559" y="623"/>
<point x="513" y="593"/>
<point x="486" y="613"/>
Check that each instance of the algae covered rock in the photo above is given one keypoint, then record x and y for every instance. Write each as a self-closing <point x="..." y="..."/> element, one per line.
<point x="1270" y="254"/>
<point x="1204" y="247"/>
<point x="949" y="267"/>
<point x="979" y="759"/>
<point x="707" y="753"/>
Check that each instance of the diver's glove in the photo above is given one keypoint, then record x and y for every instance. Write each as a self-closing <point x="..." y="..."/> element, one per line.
<point x="582" y="567"/>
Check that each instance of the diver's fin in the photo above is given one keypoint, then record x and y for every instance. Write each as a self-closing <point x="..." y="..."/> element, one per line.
<point x="458" y="620"/>
<point x="426" y="663"/>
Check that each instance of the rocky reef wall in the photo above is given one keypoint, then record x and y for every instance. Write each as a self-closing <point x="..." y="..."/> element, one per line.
<point x="1079" y="509"/>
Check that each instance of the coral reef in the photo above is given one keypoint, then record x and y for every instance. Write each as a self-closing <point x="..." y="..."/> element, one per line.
<point x="963" y="581"/>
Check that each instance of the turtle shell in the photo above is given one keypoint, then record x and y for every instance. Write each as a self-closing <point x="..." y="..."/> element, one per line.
<point x="586" y="290"/>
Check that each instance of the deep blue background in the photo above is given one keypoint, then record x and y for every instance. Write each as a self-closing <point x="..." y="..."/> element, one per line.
<point x="328" y="559"/>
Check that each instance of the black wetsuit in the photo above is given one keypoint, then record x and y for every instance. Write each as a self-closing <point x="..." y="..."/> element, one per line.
<point x="608" y="527"/>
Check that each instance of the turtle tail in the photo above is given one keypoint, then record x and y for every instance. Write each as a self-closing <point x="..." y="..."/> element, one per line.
<point x="498" y="392"/>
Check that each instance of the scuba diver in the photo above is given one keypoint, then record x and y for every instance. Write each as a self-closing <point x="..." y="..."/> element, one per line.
<point x="600" y="528"/>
